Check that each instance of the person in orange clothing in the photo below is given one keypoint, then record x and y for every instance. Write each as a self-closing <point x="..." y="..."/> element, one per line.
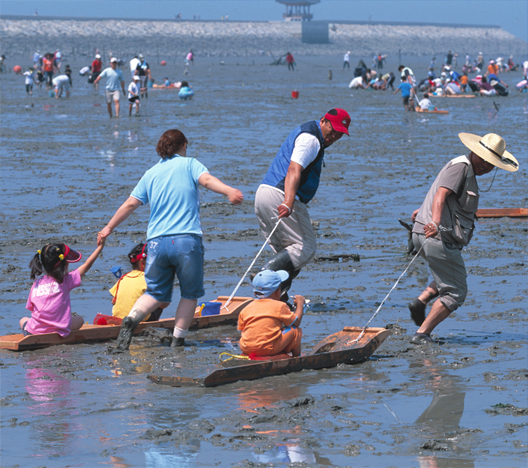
<point x="493" y="68"/>
<point x="268" y="325"/>
<point x="47" y="68"/>
<point x="464" y="82"/>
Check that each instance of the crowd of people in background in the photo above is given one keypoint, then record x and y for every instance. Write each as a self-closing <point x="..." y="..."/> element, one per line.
<point x="446" y="81"/>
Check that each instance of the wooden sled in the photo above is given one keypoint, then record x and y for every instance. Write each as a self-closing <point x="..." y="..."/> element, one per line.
<point x="502" y="213"/>
<point x="454" y="95"/>
<point x="94" y="333"/>
<point x="333" y="350"/>
<point x="436" y="111"/>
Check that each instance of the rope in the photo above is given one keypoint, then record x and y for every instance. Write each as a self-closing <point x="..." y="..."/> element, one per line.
<point x="251" y="266"/>
<point x="386" y="297"/>
<point x="231" y="356"/>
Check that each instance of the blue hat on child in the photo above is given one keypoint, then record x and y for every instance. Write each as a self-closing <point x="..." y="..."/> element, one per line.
<point x="266" y="282"/>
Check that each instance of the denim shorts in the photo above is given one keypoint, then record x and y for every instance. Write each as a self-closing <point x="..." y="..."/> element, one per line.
<point x="169" y="256"/>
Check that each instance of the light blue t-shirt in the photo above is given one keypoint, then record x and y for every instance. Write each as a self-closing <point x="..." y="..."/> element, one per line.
<point x="171" y="188"/>
<point x="113" y="78"/>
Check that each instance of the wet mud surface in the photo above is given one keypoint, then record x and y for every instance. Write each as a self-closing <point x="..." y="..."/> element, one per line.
<point x="66" y="167"/>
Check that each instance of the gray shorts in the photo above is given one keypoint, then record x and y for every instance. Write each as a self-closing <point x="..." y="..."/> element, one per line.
<point x="111" y="96"/>
<point x="295" y="233"/>
<point x="447" y="267"/>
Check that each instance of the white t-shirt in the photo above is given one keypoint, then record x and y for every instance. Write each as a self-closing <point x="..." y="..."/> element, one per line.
<point x="133" y="90"/>
<point x="133" y="65"/>
<point x="306" y="148"/>
<point x="357" y="82"/>
<point x="29" y="77"/>
<point x="61" y="80"/>
<point x="425" y="104"/>
<point x="346" y="58"/>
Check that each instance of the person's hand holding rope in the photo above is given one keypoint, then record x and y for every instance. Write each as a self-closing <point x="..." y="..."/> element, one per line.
<point x="431" y="229"/>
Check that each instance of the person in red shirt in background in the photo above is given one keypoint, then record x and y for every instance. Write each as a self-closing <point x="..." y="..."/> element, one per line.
<point x="290" y="61"/>
<point x="96" y="69"/>
<point x="47" y="68"/>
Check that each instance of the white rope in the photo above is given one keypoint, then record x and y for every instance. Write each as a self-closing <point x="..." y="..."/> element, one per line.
<point x="386" y="297"/>
<point x="251" y="266"/>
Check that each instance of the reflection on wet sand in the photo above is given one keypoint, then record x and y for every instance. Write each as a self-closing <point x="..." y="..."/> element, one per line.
<point x="52" y="405"/>
<point x="440" y="421"/>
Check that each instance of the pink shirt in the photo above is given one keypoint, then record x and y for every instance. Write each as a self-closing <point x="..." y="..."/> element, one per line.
<point x="49" y="303"/>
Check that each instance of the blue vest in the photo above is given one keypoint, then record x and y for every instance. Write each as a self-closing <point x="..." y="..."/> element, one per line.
<point x="310" y="175"/>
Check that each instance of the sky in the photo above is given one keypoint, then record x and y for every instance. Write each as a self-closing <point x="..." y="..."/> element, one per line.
<point x="511" y="15"/>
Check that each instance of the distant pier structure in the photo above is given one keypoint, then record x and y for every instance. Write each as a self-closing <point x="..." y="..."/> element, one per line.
<point x="298" y="10"/>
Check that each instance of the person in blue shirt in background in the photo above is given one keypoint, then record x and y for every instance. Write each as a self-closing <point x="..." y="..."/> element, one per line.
<point x="114" y="79"/>
<point x="407" y="94"/>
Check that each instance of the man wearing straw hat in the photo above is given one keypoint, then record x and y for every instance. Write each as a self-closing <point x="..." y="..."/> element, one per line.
<point x="444" y="224"/>
<point x="290" y="183"/>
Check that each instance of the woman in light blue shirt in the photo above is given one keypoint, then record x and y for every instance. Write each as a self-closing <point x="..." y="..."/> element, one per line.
<point x="174" y="234"/>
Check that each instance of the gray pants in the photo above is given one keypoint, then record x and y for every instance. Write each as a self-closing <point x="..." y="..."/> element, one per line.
<point x="448" y="270"/>
<point x="295" y="233"/>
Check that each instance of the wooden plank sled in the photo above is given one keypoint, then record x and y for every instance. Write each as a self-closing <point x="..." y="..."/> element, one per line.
<point x="333" y="350"/>
<point x="502" y="212"/>
<point x="94" y="333"/>
<point x="453" y="95"/>
<point x="436" y="111"/>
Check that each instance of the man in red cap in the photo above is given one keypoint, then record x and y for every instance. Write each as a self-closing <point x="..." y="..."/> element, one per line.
<point x="289" y="185"/>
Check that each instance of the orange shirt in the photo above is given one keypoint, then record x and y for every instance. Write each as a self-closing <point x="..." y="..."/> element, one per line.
<point x="47" y="65"/>
<point x="493" y="68"/>
<point x="464" y="80"/>
<point x="262" y="321"/>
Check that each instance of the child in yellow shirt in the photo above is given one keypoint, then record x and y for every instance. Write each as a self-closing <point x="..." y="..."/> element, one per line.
<point x="268" y="325"/>
<point x="132" y="285"/>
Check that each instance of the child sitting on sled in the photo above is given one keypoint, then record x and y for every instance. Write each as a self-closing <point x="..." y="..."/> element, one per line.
<point x="132" y="285"/>
<point x="49" y="298"/>
<point x="268" y="325"/>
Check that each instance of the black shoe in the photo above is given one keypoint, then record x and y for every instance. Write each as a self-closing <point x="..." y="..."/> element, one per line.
<point x="417" y="309"/>
<point x="178" y="342"/>
<point x="422" y="339"/>
<point x="128" y="325"/>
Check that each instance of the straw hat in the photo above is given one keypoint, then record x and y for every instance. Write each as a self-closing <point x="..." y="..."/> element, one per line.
<point x="491" y="148"/>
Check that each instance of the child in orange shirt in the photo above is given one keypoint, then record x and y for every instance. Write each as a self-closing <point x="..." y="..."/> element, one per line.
<point x="268" y="325"/>
<point x="463" y="82"/>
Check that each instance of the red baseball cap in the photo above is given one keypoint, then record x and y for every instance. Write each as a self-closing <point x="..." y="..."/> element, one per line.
<point x="71" y="256"/>
<point x="339" y="119"/>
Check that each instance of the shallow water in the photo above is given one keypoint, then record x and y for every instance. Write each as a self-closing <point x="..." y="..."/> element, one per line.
<point x="66" y="167"/>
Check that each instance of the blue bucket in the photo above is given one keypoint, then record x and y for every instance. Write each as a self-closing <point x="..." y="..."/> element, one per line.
<point x="211" y="308"/>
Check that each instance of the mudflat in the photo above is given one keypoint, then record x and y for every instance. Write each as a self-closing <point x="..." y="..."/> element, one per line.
<point x="66" y="167"/>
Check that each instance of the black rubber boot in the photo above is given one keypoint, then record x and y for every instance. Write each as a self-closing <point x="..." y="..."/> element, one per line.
<point x="417" y="309"/>
<point x="154" y="316"/>
<point x="125" y="335"/>
<point x="282" y="261"/>
<point x="177" y="342"/>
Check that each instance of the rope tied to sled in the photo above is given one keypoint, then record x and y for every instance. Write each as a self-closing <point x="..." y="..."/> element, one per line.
<point x="387" y="296"/>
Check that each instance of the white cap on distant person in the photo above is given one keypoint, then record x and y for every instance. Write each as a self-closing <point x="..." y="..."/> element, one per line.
<point x="97" y="56"/>
<point x="113" y="59"/>
<point x="135" y="78"/>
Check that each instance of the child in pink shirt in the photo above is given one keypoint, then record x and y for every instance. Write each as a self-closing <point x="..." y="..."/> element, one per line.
<point x="49" y="298"/>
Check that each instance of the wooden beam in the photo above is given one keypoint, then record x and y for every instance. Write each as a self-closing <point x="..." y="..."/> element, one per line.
<point x="503" y="213"/>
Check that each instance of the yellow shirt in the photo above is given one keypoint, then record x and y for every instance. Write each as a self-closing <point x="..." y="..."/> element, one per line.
<point x="131" y="287"/>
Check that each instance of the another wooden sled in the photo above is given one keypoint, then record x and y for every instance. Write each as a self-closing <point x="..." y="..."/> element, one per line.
<point x="436" y="111"/>
<point x="333" y="350"/>
<point x="502" y="213"/>
<point x="93" y="333"/>
<point x="453" y="96"/>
